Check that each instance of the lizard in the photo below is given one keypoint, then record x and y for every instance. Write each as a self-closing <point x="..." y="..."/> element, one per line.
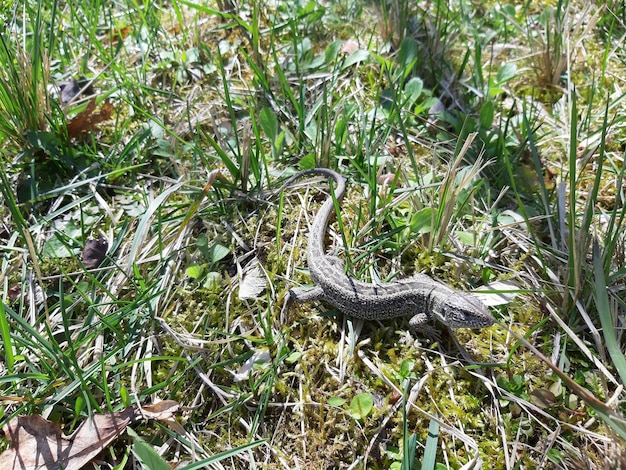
<point x="419" y="297"/>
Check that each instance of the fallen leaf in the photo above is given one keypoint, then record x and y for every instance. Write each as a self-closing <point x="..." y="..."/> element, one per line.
<point x="15" y="292"/>
<point x="117" y="35"/>
<point x="542" y="398"/>
<point x="350" y="46"/>
<point x="94" y="252"/>
<point x="499" y="292"/>
<point x="253" y="281"/>
<point x="39" y="444"/>
<point x="386" y="179"/>
<point x="162" y="410"/>
<point x="261" y="356"/>
<point x="88" y="120"/>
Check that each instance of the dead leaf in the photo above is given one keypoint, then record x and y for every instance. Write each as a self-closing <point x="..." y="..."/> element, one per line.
<point x="542" y="398"/>
<point x="88" y="120"/>
<point x="350" y="46"/>
<point x="261" y="356"/>
<point x="253" y="281"/>
<point x="94" y="252"/>
<point x="386" y="179"/>
<point x="162" y="410"/>
<point x="15" y="292"/>
<point x="39" y="444"/>
<point x="117" y="35"/>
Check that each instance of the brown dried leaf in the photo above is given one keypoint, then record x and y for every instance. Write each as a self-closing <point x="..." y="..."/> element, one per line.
<point x="162" y="410"/>
<point x="350" y="46"/>
<point x="40" y="444"/>
<point x="542" y="398"/>
<point x="94" y="252"/>
<point x="88" y="120"/>
<point x="116" y="35"/>
<point x="14" y="292"/>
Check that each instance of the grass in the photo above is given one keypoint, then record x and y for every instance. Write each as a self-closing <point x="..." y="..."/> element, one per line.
<point x="482" y="143"/>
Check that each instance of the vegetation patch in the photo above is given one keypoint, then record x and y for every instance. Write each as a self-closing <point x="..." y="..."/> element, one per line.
<point x="147" y="245"/>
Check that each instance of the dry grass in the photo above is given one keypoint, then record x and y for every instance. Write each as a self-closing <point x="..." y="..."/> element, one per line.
<point x="505" y="186"/>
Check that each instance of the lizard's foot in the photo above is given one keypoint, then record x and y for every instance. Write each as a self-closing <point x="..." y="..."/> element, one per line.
<point x="287" y="304"/>
<point x="422" y="324"/>
<point x="299" y="295"/>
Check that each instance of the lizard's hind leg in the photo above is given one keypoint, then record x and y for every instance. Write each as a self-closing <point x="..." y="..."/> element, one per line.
<point x="299" y="295"/>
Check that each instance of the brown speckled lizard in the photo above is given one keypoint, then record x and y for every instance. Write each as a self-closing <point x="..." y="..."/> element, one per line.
<point x="419" y="296"/>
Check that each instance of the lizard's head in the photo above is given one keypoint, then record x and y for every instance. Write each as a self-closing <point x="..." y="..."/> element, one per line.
<point x="463" y="310"/>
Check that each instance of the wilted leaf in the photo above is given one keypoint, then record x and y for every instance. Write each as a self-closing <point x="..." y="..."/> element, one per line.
<point x="88" y="120"/>
<point x="162" y="410"/>
<point x="253" y="281"/>
<point x="40" y="444"/>
<point x="350" y="46"/>
<point x="116" y="35"/>
<point x="386" y="179"/>
<point x="14" y="292"/>
<point x="94" y="252"/>
<point x="542" y="398"/>
<point x="261" y="356"/>
<point x="507" y="292"/>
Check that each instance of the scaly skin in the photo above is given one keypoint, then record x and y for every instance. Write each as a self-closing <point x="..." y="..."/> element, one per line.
<point x="419" y="296"/>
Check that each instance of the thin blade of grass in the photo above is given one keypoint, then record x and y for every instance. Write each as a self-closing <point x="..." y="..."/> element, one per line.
<point x="5" y="333"/>
<point x="604" y="312"/>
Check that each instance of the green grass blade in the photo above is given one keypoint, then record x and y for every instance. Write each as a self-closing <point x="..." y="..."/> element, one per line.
<point x="600" y="294"/>
<point x="5" y="333"/>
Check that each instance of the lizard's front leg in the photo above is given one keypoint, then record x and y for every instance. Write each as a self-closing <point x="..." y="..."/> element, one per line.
<point x="422" y="324"/>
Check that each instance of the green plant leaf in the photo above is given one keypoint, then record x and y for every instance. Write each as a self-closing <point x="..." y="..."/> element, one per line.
<point x="407" y="57"/>
<point x="332" y="51"/>
<point x="194" y="271"/>
<point x="213" y="280"/>
<point x="361" y="405"/>
<point x="307" y="162"/>
<point x="486" y="114"/>
<point x="410" y="446"/>
<point x="5" y="333"/>
<point x="506" y="73"/>
<point x="422" y="221"/>
<point x="600" y="293"/>
<point x="269" y="123"/>
<point x="336" y="401"/>
<point x="219" y="252"/>
<point x="293" y="357"/>
<point x="413" y="90"/>
<point x="146" y="454"/>
<point x="356" y="57"/>
<point x="430" y="449"/>
<point x="406" y="368"/>
<point x="55" y="247"/>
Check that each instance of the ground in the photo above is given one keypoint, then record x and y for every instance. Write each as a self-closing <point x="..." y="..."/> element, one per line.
<point x="146" y="250"/>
